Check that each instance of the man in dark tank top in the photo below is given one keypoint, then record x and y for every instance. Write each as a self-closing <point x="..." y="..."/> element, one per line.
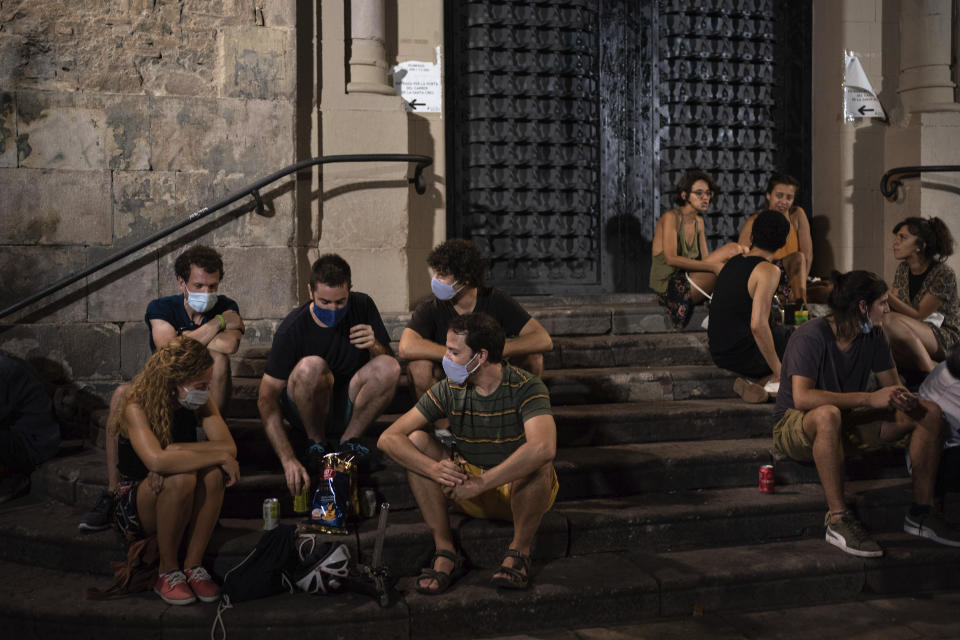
<point x="740" y="336"/>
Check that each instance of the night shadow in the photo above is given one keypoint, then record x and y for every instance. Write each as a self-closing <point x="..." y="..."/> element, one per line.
<point x="627" y="258"/>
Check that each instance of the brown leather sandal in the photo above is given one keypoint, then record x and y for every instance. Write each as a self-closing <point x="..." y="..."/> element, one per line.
<point x="518" y="576"/>
<point x="444" y="580"/>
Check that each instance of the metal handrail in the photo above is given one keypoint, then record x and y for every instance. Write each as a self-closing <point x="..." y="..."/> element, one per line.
<point x="888" y="187"/>
<point x="253" y="190"/>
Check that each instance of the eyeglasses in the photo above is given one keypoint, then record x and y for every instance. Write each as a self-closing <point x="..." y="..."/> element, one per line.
<point x="700" y="193"/>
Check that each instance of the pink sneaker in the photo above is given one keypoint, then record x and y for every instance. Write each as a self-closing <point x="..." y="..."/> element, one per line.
<point x="173" y="589"/>
<point x="202" y="584"/>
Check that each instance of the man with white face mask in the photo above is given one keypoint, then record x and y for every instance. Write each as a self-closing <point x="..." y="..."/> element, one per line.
<point x="500" y="464"/>
<point x="197" y="312"/>
<point x="457" y="286"/>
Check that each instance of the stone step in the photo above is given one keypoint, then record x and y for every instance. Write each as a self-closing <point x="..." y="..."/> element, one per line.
<point x="595" y="590"/>
<point x="584" y="472"/>
<point x="44" y="533"/>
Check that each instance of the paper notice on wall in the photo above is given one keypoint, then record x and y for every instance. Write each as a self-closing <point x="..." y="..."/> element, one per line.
<point x="420" y="85"/>
<point x="859" y="99"/>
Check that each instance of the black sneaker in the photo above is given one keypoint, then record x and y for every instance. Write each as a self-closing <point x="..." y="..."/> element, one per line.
<point x="932" y="526"/>
<point x="14" y="486"/>
<point x="354" y="449"/>
<point x="313" y="459"/>
<point x="101" y="516"/>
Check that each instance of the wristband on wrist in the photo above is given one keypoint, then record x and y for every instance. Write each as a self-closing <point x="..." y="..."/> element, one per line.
<point x="223" y="323"/>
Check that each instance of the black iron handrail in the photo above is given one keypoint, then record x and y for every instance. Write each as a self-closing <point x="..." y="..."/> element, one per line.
<point x="253" y="190"/>
<point x="888" y="186"/>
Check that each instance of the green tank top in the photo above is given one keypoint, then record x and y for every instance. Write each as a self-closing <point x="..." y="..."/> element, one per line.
<point x="660" y="271"/>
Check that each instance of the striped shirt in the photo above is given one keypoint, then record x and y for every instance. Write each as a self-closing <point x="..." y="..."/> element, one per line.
<point x="487" y="429"/>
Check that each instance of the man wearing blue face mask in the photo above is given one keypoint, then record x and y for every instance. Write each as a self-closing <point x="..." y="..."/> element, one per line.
<point x="500" y="465"/>
<point x="330" y="365"/>
<point x="457" y="286"/>
<point x="823" y="409"/>
<point x="198" y="311"/>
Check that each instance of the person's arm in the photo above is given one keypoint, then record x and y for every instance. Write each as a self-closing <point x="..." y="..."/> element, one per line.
<point x="804" y="240"/>
<point x="539" y="449"/>
<point x="269" y="406"/>
<point x="746" y="233"/>
<point x="396" y="443"/>
<point x="765" y="279"/>
<point x="928" y="304"/>
<point x="228" y="340"/>
<point x="806" y="396"/>
<point x="414" y="347"/>
<point x="670" y="248"/>
<point x="167" y="461"/>
<point x="533" y="338"/>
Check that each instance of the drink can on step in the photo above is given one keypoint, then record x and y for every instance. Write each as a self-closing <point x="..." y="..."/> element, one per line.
<point x="766" y="478"/>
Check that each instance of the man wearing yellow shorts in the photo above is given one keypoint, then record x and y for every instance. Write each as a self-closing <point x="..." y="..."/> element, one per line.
<point x="499" y="464"/>
<point x="823" y="408"/>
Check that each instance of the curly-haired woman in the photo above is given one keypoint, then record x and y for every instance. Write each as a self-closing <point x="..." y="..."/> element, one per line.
<point x="923" y="286"/>
<point x="171" y="485"/>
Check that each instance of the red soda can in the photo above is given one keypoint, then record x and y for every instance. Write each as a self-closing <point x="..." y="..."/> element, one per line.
<point x="766" y="478"/>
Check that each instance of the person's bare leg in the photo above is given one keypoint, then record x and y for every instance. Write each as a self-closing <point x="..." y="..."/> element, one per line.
<point x="797" y="271"/>
<point x="422" y="375"/>
<point x="823" y="427"/>
<point x="705" y="281"/>
<point x="309" y="386"/>
<point x="371" y="390"/>
<point x="166" y="514"/>
<point x="912" y="341"/>
<point x="926" y="443"/>
<point x="532" y="362"/>
<point x="433" y="505"/>
<point x="220" y="385"/>
<point x="207" y="501"/>
<point x="529" y="498"/>
<point x="110" y="443"/>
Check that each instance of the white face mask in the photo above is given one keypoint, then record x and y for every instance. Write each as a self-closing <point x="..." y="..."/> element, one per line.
<point x="194" y="399"/>
<point x="201" y="302"/>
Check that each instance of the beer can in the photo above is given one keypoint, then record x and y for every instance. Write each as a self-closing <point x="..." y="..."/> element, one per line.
<point x="300" y="501"/>
<point x="766" y="478"/>
<point x="271" y="514"/>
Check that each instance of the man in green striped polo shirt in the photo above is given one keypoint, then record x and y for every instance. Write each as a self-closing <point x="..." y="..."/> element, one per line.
<point x="498" y="462"/>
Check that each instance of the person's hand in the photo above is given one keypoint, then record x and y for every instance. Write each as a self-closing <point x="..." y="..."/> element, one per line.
<point x="903" y="400"/>
<point x="889" y="397"/>
<point x="447" y="473"/>
<point x="361" y="336"/>
<point x="155" y="481"/>
<point x="231" y="469"/>
<point x="232" y="320"/>
<point x="470" y="488"/>
<point x="296" y="476"/>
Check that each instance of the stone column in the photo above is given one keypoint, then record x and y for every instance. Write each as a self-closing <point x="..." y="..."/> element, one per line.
<point x="926" y="32"/>
<point x="368" y="56"/>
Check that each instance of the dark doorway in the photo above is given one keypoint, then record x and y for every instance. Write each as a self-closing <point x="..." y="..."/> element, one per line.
<point x="569" y="122"/>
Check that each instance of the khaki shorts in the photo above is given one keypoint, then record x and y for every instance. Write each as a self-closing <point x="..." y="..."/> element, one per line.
<point x="495" y="503"/>
<point x="860" y="427"/>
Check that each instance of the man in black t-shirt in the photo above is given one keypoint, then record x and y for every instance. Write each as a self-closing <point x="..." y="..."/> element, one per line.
<point x="458" y="289"/>
<point x="740" y="336"/>
<point x="330" y="360"/>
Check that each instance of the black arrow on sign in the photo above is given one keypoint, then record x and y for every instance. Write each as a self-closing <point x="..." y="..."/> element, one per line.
<point x="863" y="109"/>
<point x="414" y="104"/>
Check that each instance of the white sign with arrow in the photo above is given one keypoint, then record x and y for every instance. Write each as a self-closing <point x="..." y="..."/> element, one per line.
<point x="420" y="85"/>
<point x="859" y="99"/>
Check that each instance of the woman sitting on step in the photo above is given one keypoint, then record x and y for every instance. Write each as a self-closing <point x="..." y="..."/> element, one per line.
<point x="682" y="269"/>
<point x="171" y="485"/>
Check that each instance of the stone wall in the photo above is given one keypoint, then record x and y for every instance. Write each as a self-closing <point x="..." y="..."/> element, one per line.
<point x="118" y="119"/>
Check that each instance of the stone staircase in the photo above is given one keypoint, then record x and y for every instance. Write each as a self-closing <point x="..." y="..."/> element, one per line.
<point x="658" y="512"/>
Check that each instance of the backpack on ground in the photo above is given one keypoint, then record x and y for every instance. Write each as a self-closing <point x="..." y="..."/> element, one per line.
<point x="135" y="574"/>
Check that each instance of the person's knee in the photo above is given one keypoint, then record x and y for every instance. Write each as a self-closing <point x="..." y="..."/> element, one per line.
<point x="385" y="370"/>
<point x="932" y="419"/>
<point x="311" y="372"/>
<point x="180" y="484"/>
<point x="213" y="480"/>
<point x="825" y="422"/>
<point x="421" y="440"/>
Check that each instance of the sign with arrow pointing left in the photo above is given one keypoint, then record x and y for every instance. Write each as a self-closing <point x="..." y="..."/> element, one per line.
<point x="420" y="85"/>
<point x="859" y="99"/>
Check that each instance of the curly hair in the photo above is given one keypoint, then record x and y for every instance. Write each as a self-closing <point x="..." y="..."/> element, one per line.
<point x="204" y="257"/>
<point x="180" y="360"/>
<point x="690" y="176"/>
<point x="770" y="230"/>
<point x="461" y="258"/>
<point x="933" y="234"/>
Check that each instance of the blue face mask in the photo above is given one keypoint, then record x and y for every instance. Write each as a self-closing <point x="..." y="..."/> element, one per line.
<point x="329" y="317"/>
<point x="442" y="290"/>
<point x="458" y="372"/>
<point x="867" y="325"/>
<point x="201" y="302"/>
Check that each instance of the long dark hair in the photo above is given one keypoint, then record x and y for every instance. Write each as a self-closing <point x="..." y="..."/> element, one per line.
<point x="933" y="234"/>
<point x="848" y="290"/>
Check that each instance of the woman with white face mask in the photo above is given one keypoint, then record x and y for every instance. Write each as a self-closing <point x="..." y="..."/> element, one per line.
<point x="171" y="485"/>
